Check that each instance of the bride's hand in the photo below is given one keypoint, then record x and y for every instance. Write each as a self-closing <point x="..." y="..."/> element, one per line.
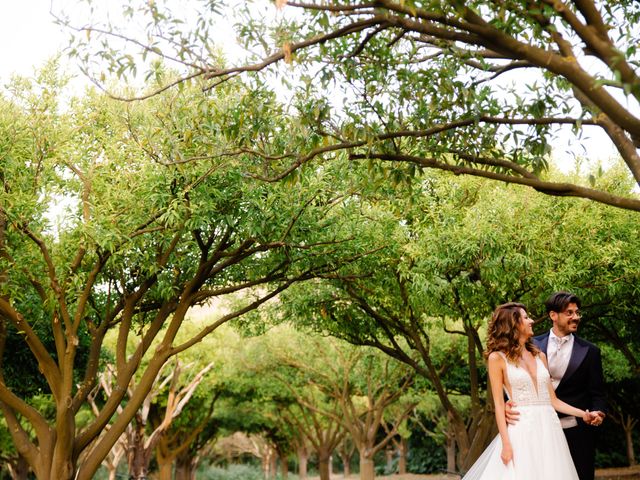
<point x="507" y="453"/>
<point x="590" y="417"/>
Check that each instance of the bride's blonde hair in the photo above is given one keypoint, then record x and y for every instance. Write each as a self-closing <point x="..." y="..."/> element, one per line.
<point x="503" y="335"/>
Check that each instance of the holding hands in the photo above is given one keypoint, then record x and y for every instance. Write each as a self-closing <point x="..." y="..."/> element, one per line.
<point x="593" y="418"/>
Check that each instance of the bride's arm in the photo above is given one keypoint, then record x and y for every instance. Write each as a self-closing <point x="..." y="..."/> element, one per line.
<point x="564" y="407"/>
<point x="496" y="366"/>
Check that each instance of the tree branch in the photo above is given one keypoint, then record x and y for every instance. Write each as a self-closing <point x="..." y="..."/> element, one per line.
<point x="549" y="188"/>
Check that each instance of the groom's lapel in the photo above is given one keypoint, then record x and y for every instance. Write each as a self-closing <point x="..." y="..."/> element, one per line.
<point x="578" y="354"/>
<point x="543" y="342"/>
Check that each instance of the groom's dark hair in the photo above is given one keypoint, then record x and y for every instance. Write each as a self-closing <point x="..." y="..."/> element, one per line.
<point x="558" y="301"/>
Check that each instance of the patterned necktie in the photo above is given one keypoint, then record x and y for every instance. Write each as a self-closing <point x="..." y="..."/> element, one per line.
<point x="554" y="367"/>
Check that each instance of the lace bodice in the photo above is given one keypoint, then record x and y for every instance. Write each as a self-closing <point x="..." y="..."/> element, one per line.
<point x="523" y="389"/>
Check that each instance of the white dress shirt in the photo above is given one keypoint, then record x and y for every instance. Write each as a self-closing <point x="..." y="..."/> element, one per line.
<point x="558" y="355"/>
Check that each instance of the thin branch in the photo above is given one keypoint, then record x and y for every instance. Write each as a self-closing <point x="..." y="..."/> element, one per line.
<point x="549" y="188"/>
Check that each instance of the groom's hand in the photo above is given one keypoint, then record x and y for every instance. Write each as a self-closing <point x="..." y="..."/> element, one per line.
<point x="511" y="415"/>
<point x="597" y="417"/>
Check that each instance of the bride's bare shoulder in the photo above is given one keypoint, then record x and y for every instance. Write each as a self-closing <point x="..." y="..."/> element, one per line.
<point x="496" y="358"/>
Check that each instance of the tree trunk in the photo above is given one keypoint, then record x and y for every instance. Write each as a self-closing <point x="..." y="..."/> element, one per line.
<point x="138" y="468"/>
<point x="137" y="458"/>
<point x="53" y="460"/>
<point x="165" y="470"/>
<point x="284" y="467"/>
<point x="346" y="464"/>
<point x="186" y="468"/>
<point x="388" y="453"/>
<point x="402" y="460"/>
<point x="113" y="473"/>
<point x="480" y="434"/>
<point x="303" y="463"/>
<point x="451" y="451"/>
<point x="138" y="472"/>
<point x="273" y="464"/>
<point x="165" y="459"/>
<point x="367" y="468"/>
<point x="18" y="469"/>
<point x="628" y="435"/>
<point x="324" y="467"/>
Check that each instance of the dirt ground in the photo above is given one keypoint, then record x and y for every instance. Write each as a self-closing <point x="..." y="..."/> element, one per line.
<point x="629" y="473"/>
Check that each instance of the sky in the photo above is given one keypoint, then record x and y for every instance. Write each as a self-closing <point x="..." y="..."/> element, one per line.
<point x="29" y="37"/>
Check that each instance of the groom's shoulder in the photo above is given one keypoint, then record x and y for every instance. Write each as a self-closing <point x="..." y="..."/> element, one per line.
<point x="586" y="343"/>
<point x="542" y="337"/>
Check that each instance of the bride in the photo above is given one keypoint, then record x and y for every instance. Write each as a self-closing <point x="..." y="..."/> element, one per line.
<point x="535" y="447"/>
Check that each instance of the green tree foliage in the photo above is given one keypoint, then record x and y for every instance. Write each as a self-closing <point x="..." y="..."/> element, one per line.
<point x="145" y="235"/>
<point x="479" y="88"/>
<point x="316" y="391"/>
<point x="450" y="257"/>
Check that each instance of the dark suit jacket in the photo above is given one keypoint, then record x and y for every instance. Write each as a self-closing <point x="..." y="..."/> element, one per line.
<point x="582" y="385"/>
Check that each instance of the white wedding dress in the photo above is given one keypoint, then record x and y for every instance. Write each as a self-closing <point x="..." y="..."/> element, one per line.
<point x="540" y="450"/>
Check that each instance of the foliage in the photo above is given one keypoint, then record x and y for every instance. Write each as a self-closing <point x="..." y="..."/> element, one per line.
<point x="378" y="96"/>
<point x="426" y="454"/>
<point x="479" y="88"/>
<point x="452" y="253"/>
<point x="141" y="240"/>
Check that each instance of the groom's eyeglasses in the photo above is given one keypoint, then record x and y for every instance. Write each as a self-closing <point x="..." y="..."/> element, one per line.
<point x="573" y="313"/>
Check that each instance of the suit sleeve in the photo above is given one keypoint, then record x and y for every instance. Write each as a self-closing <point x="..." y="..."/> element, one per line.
<point x="596" y="382"/>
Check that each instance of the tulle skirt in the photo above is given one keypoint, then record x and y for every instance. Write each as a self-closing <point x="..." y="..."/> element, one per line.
<point x="540" y="450"/>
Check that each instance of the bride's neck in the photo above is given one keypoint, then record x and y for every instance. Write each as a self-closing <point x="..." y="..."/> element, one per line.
<point x="523" y="347"/>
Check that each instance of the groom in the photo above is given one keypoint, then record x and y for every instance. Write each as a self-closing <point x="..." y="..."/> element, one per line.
<point x="576" y="373"/>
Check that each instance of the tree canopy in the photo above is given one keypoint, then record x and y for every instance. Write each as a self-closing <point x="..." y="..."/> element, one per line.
<point x="143" y="239"/>
<point x="451" y="255"/>
<point x="301" y="175"/>
<point x="479" y="88"/>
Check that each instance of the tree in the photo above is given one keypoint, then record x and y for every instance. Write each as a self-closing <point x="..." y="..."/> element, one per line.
<point x="621" y="398"/>
<point x="16" y="466"/>
<point x="118" y="451"/>
<point x="478" y="88"/>
<point x="142" y="435"/>
<point x="187" y="441"/>
<point x="174" y="421"/>
<point x="190" y="436"/>
<point x="345" y="450"/>
<point x="430" y="421"/>
<point x="142" y="242"/>
<point x="453" y="252"/>
<point x="240" y="444"/>
<point x="363" y="385"/>
<point x="252" y="410"/>
<point x="307" y="415"/>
